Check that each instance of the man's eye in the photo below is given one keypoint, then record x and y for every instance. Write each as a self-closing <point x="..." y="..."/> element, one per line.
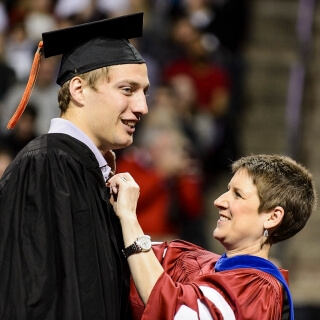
<point x="127" y="89"/>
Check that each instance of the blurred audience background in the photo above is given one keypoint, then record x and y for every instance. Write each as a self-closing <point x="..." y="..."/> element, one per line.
<point x="212" y="99"/>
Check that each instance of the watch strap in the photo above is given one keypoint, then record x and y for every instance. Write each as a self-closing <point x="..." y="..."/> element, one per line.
<point x="134" y="248"/>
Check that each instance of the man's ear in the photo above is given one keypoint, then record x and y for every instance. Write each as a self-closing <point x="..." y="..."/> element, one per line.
<point x="76" y="90"/>
<point x="275" y="218"/>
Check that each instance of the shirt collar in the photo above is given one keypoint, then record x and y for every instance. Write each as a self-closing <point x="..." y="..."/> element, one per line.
<point x="59" y="125"/>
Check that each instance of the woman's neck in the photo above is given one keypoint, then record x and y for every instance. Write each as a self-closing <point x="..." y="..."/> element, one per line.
<point x="255" y="250"/>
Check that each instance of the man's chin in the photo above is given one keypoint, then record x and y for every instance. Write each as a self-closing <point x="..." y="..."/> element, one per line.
<point x="123" y="145"/>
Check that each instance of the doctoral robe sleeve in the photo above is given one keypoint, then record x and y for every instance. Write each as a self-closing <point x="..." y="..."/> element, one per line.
<point x="190" y="289"/>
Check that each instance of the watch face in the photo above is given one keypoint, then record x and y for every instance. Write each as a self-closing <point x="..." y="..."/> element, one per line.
<point x="144" y="242"/>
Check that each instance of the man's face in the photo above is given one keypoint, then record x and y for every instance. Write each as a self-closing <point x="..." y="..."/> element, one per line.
<point x="115" y="107"/>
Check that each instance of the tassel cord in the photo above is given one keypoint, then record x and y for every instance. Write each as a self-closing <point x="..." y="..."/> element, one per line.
<point x="28" y="90"/>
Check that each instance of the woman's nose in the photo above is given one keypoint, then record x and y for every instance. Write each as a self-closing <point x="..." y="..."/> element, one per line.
<point x="221" y="202"/>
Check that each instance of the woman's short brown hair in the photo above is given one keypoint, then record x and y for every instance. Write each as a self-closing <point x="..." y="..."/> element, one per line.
<point x="91" y="77"/>
<point x="281" y="181"/>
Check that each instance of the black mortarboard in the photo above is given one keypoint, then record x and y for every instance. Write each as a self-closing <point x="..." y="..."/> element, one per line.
<point x="93" y="45"/>
<point x="84" y="48"/>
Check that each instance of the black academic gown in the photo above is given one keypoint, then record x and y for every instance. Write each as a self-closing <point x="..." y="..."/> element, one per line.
<point x="60" y="240"/>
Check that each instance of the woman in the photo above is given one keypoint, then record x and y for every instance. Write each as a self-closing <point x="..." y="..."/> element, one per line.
<point x="269" y="199"/>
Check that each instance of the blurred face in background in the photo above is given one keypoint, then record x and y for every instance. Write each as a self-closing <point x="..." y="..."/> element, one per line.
<point x="5" y="160"/>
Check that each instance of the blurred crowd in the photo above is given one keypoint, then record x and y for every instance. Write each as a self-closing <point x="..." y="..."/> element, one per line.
<point x="193" y="49"/>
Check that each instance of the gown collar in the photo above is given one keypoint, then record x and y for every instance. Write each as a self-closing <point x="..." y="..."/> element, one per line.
<point x="248" y="261"/>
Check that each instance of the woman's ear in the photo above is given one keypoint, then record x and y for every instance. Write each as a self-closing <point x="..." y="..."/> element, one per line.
<point x="76" y="90"/>
<point x="275" y="218"/>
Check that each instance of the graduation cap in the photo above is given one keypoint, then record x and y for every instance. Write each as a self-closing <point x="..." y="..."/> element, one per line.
<point x="84" y="48"/>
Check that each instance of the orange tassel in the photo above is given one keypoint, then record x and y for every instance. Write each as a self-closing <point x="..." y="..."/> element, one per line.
<point x="27" y="92"/>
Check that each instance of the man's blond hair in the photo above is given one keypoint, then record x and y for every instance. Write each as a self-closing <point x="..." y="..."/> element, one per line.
<point x="91" y="77"/>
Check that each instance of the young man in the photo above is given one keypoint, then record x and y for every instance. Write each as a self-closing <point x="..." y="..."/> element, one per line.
<point x="60" y="241"/>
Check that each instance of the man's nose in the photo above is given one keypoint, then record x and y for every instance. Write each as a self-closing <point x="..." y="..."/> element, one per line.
<point x="140" y="104"/>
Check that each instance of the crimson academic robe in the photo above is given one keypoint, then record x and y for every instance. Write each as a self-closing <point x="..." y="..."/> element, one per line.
<point x="198" y="284"/>
<point x="60" y="241"/>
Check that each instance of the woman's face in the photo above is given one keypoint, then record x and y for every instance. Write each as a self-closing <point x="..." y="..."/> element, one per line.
<point x="240" y="226"/>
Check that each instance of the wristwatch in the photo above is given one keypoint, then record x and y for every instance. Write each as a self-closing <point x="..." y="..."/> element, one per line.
<point x="141" y="244"/>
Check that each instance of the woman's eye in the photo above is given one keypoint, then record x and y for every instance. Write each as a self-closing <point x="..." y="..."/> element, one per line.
<point x="237" y="194"/>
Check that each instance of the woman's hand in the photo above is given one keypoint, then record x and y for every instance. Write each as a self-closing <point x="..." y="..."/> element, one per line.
<point x="124" y="195"/>
<point x="144" y="266"/>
